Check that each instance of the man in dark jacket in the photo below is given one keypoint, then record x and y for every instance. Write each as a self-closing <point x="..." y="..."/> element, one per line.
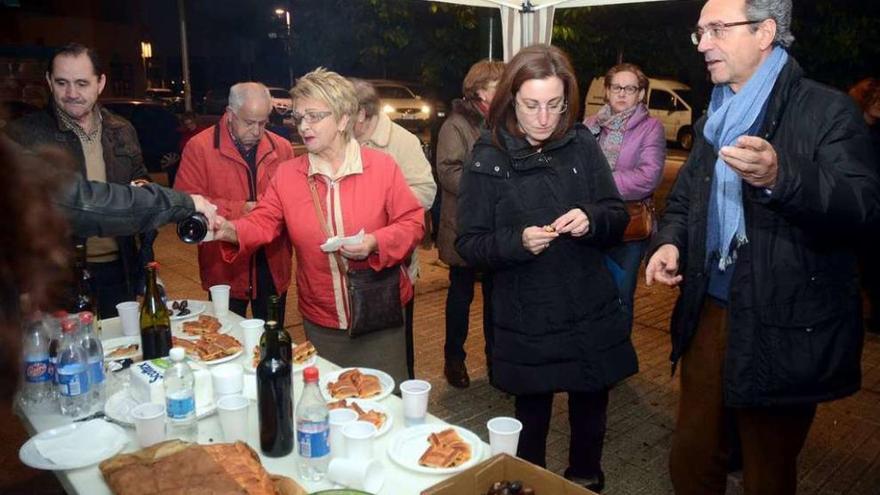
<point x="758" y="231"/>
<point x="106" y="149"/>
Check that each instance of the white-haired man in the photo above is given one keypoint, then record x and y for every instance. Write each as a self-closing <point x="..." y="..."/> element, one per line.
<point x="759" y="231"/>
<point x="231" y="164"/>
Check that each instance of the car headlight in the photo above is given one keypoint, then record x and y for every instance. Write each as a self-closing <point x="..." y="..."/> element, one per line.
<point x="426" y="109"/>
<point x="388" y="109"/>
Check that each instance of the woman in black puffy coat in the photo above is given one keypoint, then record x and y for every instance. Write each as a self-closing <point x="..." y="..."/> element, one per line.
<point x="537" y="206"/>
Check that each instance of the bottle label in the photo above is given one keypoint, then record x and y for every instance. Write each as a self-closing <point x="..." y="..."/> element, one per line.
<point x="37" y="371"/>
<point x="313" y="438"/>
<point x="73" y="380"/>
<point x="96" y="373"/>
<point x="180" y="408"/>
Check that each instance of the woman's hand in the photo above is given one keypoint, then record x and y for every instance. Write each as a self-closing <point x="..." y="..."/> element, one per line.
<point x="537" y="239"/>
<point x="574" y="222"/>
<point x="362" y="250"/>
<point x="224" y="230"/>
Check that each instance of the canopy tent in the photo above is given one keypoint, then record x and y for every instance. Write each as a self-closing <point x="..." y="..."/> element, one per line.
<point x="531" y="21"/>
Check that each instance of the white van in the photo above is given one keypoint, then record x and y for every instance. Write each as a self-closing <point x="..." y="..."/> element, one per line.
<point x="668" y="101"/>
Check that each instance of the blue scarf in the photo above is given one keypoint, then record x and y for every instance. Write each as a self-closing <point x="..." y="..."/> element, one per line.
<point x="732" y="115"/>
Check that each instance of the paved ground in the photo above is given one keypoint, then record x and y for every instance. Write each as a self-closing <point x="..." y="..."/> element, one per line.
<point x="842" y="455"/>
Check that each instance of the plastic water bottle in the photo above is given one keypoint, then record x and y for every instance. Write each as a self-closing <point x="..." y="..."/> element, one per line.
<point x="95" y="355"/>
<point x="37" y="387"/>
<point x="312" y="429"/>
<point x="180" y="398"/>
<point x="72" y="372"/>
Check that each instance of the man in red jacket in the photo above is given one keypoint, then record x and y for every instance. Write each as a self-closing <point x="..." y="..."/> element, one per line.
<point x="231" y="164"/>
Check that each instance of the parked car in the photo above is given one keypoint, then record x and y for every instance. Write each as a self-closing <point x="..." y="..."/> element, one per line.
<point x="156" y="127"/>
<point x="281" y="102"/>
<point x="167" y="97"/>
<point x="669" y="101"/>
<point x="402" y="105"/>
<point x="215" y="101"/>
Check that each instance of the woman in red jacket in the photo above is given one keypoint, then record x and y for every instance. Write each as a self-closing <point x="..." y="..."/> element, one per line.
<point x="358" y="189"/>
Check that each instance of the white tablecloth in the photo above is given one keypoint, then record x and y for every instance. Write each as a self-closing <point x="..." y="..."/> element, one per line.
<point x="398" y="481"/>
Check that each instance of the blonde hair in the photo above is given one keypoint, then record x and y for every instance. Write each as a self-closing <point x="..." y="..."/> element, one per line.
<point x="334" y="90"/>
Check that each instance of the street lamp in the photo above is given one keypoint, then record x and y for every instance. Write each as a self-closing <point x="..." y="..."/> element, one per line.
<point x="146" y="53"/>
<point x="287" y="43"/>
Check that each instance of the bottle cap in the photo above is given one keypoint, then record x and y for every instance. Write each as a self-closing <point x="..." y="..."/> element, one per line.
<point x="153" y="264"/>
<point x="86" y="317"/>
<point x="310" y="374"/>
<point x="68" y="325"/>
<point x="177" y="354"/>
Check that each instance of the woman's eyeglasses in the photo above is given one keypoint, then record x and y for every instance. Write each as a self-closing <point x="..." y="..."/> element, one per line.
<point x="309" y="117"/>
<point x="556" y="107"/>
<point x="629" y="90"/>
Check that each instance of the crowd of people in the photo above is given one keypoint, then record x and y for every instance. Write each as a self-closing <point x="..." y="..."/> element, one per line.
<point x="550" y="210"/>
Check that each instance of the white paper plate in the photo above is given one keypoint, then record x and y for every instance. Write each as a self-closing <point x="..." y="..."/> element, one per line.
<point x="121" y="403"/>
<point x="407" y="446"/>
<point x="369" y="405"/>
<point x="224" y="359"/>
<point x="111" y="344"/>
<point x="195" y="308"/>
<point x="30" y="455"/>
<point x="250" y="368"/>
<point x="384" y="378"/>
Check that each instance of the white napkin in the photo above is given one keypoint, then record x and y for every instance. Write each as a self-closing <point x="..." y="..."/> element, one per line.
<point x="89" y="440"/>
<point x="336" y="242"/>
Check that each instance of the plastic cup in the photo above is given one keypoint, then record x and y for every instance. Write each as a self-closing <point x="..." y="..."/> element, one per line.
<point x="360" y="474"/>
<point x="220" y="298"/>
<point x="253" y="330"/>
<point x="359" y="437"/>
<point x="227" y="379"/>
<point x="233" y="412"/>
<point x="149" y="423"/>
<point x="415" y="401"/>
<point x="338" y="419"/>
<point x="504" y="435"/>
<point x="129" y="316"/>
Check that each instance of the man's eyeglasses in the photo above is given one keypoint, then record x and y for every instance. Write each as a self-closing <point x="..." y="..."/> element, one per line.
<point x="629" y="90"/>
<point x="717" y="30"/>
<point x="556" y="107"/>
<point x="309" y="117"/>
<point x="251" y="124"/>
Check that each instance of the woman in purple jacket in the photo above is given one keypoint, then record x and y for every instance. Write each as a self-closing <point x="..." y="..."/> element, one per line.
<point x="635" y="147"/>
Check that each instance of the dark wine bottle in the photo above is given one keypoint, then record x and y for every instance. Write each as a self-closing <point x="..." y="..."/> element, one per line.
<point x="193" y="229"/>
<point x="155" y="320"/>
<point x="272" y="324"/>
<point x="275" y="399"/>
<point x="82" y="294"/>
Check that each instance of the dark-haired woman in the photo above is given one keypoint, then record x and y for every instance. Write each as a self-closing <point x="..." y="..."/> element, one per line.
<point x="537" y="206"/>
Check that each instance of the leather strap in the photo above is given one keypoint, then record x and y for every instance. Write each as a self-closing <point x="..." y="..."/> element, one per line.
<point x="322" y="220"/>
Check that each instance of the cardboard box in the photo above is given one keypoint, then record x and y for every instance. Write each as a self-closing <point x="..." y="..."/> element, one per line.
<point x="478" y="479"/>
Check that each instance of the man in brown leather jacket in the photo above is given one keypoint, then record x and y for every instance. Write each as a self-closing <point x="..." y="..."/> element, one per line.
<point x="105" y="148"/>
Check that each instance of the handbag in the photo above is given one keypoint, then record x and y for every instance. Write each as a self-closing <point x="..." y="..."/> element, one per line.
<point x="641" y="220"/>
<point x="373" y="296"/>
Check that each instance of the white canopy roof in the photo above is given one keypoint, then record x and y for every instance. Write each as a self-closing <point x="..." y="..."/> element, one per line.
<point x="527" y="22"/>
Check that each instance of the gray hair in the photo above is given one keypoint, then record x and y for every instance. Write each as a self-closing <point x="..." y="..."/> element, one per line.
<point x="243" y="90"/>
<point x="779" y="11"/>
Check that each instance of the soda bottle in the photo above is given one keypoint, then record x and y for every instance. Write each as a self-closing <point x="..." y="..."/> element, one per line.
<point x="72" y="373"/>
<point x="180" y="398"/>
<point x="36" y="390"/>
<point x="312" y="429"/>
<point x="95" y="355"/>
<point x="275" y="399"/>
<point x="155" y="320"/>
